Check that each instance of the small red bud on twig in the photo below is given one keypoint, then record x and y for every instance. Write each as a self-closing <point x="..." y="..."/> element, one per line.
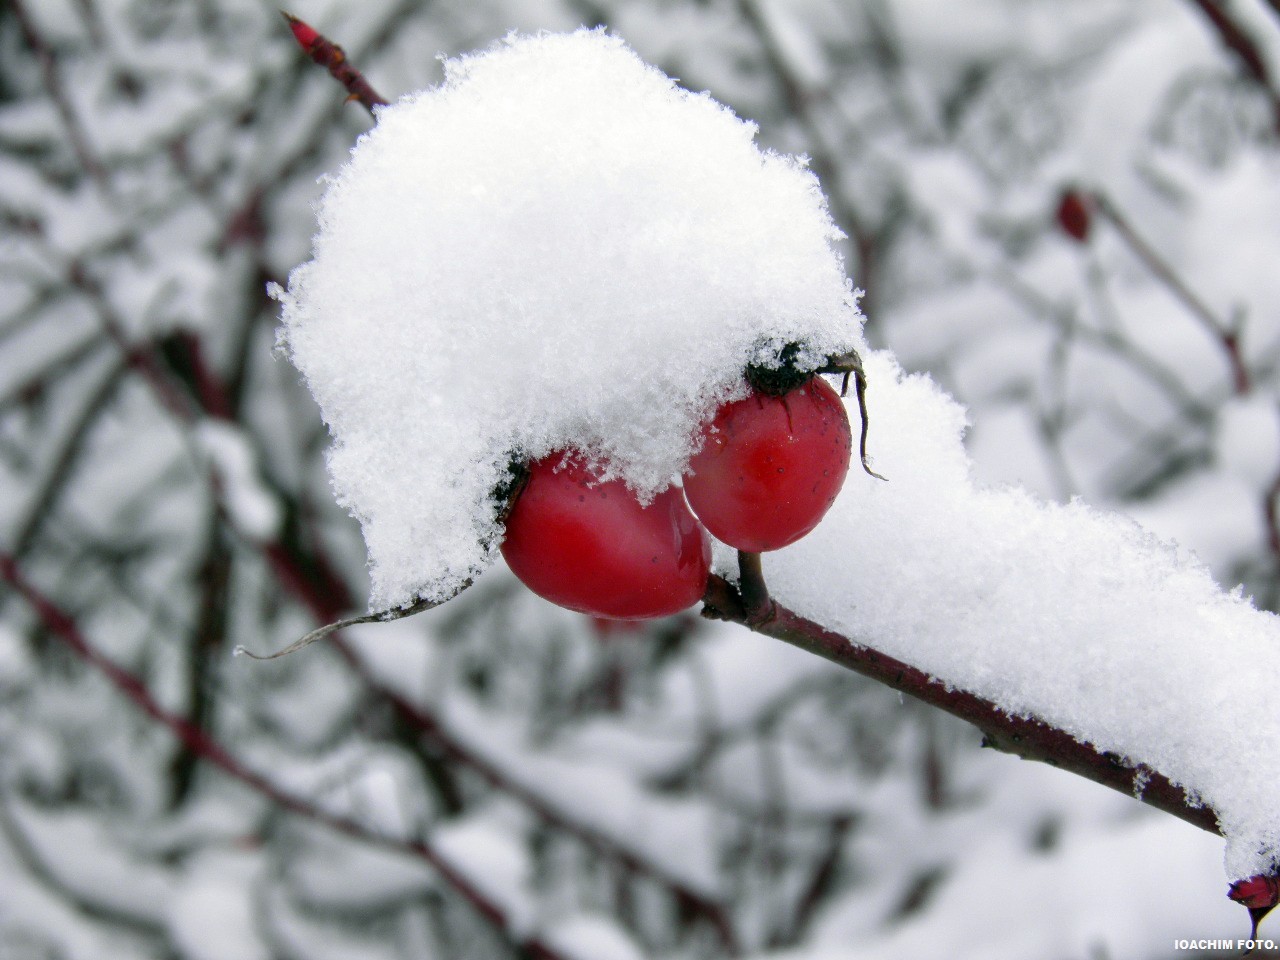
<point x="304" y="33"/>
<point x="329" y="55"/>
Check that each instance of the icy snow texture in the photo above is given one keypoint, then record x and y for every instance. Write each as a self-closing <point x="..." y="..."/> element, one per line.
<point x="1054" y="611"/>
<point x="558" y="247"/>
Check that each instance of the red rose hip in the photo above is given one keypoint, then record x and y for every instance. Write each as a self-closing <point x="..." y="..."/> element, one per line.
<point x="771" y="466"/>
<point x="591" y="546"/>
<point x="1074" y="215"/>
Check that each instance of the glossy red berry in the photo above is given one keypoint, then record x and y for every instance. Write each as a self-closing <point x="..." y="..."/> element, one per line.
<point x="591" y="546"/>
<point x="771" y="466"/>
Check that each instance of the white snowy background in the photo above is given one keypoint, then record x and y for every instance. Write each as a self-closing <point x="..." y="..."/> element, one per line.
<point x="610" y="794"/>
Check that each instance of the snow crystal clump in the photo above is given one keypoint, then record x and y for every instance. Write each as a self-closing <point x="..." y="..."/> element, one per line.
<point x="558" y="247"/>
<point x="1060" y="612"/>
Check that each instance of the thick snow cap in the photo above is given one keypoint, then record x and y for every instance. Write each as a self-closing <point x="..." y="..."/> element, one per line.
<point x="558" y="247"/>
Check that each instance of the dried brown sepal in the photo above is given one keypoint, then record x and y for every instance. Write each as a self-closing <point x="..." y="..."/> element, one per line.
<point x="785" y="376"/>
<point x="382" y="616"/>
<point x="850" y="365"/>
<point x="504" y="493"/>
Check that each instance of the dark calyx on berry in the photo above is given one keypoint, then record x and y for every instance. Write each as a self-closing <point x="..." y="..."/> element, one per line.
<point x="782" y="378"/>
<point x="508" y="487"/>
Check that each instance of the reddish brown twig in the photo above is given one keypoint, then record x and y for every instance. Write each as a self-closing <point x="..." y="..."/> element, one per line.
<point x="1226" y="335"/>
<point x="329" y="55"/>
<point x="322" y="605"/>
<point x="1236" y="39"/>
<point x="210" y="750"/>
<point x="1024" y="737"/>
<point x="57" y="93"/>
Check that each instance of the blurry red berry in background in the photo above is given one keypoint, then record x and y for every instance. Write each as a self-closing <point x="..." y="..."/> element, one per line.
<point x="1074" y="215"/>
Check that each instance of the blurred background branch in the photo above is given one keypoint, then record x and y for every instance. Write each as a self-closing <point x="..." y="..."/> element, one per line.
<point x="684" y="789"/>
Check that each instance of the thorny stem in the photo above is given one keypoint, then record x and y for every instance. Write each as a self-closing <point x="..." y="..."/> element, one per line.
<point x="199" y="741"/>
<point x="329" y="55"/>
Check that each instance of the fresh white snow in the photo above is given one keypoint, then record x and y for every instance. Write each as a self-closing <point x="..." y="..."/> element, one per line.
<point x="1061" y="612"/>
<point x="559" y="247"/>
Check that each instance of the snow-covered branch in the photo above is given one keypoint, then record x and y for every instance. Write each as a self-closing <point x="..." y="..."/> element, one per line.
<point x="1021" y="736"/>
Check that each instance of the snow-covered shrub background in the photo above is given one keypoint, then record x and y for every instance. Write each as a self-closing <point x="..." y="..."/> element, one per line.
<point x="680" y="791"/>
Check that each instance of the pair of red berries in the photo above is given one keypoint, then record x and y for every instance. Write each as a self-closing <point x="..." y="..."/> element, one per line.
<point x="769" y="468"/>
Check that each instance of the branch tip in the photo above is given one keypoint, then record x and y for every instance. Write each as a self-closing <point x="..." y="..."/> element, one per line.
<point x="323" y="51"/>
<point x="303" y="32"/>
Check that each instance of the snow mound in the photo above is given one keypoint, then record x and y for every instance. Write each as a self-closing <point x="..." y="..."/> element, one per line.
<point x="1056" y="611"/>
<point x="558" y="247"/>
